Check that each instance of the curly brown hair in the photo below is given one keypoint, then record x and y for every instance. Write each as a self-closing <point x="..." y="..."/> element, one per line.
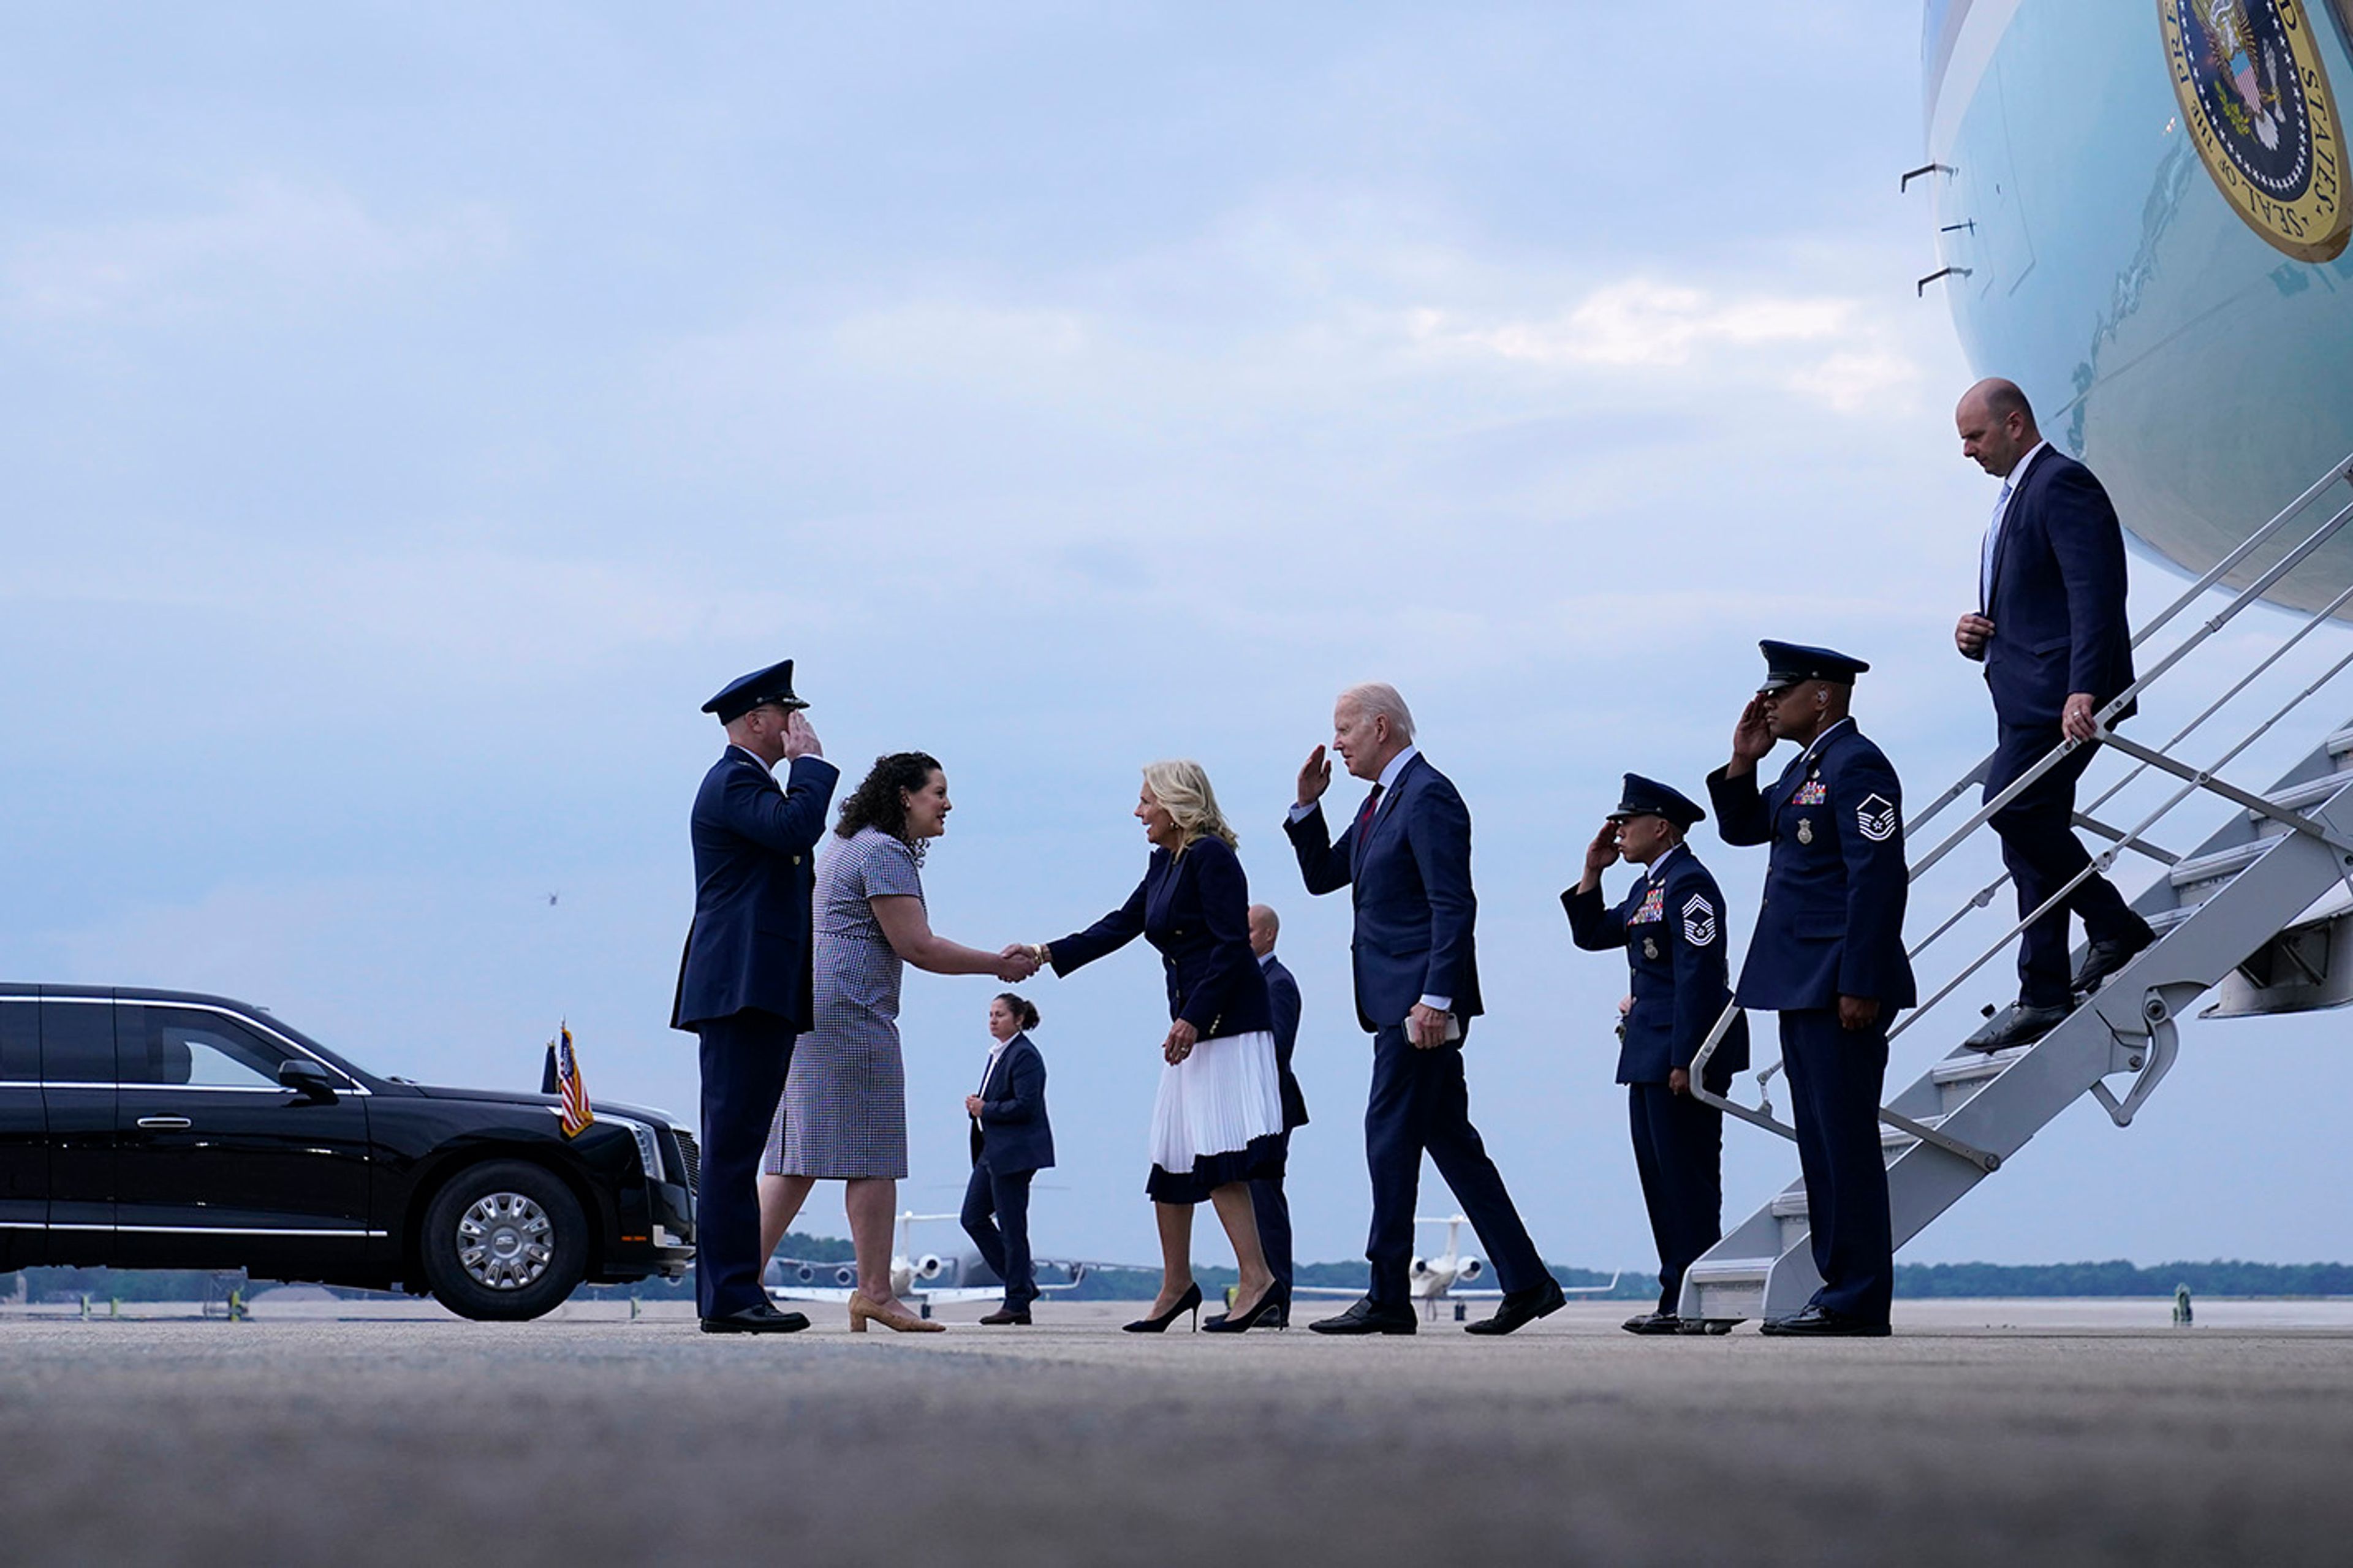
<point x="881" y="800"/>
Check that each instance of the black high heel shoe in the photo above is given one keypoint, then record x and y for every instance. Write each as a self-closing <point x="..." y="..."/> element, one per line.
<point x="1191" y="1301"/>
<point x="1275" y="1303"/>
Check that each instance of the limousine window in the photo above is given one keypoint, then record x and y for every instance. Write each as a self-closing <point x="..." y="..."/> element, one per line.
<point x="20" y="1042"/>
<point x="77" y="1042"/>
<point x="204" y="1050"/>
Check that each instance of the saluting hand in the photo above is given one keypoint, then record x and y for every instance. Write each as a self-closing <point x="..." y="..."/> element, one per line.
<point x="800" y="739"/>
<point x="1315" y="777"/>
<point x="1752" y="738"/>
<point x="1599" y="856"/>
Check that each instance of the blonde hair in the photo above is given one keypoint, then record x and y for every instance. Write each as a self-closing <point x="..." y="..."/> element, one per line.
<point x="1184" y="789"/>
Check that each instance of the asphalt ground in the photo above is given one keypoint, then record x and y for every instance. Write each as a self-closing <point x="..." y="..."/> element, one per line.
<point x="2080" y="1433"/>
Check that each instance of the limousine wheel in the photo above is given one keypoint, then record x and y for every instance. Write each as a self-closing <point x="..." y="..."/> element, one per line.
<point x="504" y="1240"/>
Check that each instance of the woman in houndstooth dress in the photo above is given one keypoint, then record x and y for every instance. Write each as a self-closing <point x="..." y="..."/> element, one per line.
<point x="843" y="1116"/>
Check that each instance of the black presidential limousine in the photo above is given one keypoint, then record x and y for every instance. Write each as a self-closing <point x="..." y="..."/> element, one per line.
<point x="169" y="1129"/>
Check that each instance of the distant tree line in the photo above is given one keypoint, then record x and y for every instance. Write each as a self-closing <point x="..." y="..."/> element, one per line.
<point x="2116" y="1277"/>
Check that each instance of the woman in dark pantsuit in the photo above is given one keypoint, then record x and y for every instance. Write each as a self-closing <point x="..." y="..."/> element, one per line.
<point x="1011" y="1142"/>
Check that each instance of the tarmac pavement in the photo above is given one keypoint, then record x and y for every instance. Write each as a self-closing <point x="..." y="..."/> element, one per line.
<point x="2096" y="1435"/>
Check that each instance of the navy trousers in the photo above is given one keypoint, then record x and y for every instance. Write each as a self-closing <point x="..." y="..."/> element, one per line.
<point x="2040" y="847"/>
<point x="1836" y="1077"/>
<point x="1421" y="1103"/>
<point x="745" y="1057"/>
<point x="997" y="1217"/>
<point x="1273" y="1211"/>
<point x="1679" y="1152"/>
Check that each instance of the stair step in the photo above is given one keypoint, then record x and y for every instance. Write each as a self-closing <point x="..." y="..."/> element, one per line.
<point x="1976" y="1064"/>
<point x="1731" y="1271"/>
<point x="2165" y="920"/>
<point x="1790" y="1206"/>
<point x="2310" y="792"/>
<point x="2341" y="743"/>
<point x="2221" y="864"/>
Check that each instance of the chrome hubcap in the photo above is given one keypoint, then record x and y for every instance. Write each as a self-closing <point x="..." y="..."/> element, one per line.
<point x="505" y="1241"/>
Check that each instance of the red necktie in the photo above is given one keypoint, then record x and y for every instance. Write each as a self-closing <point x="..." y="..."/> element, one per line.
<point x="1365" y="817"/>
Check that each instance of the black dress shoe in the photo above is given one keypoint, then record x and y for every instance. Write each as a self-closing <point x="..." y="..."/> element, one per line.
<point x="2104" y="958"/>
<point x="1709" y="1325"/>
<point x="1367" y="1317"/>
<point x="1521" y="1308"/>
<point x="762" y="1318"/>
<point x="1277" y="1298"/>
<point x="1004" y="1315"/>
<point x="1822" y="1323"/>
<point x="2016" y="1025"/>
<point x="1653" y="1323"/>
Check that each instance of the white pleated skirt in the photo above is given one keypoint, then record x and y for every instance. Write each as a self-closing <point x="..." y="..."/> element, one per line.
<point x="1217" y="1118"/>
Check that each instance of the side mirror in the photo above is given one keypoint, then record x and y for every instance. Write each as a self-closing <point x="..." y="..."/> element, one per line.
<point x="307" y="1079"/>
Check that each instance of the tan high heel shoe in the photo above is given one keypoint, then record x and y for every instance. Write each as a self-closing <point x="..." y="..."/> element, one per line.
<point x="896" y="1319"/>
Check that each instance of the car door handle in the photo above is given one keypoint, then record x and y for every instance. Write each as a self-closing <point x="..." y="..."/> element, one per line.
<point x="165" y="1124"/>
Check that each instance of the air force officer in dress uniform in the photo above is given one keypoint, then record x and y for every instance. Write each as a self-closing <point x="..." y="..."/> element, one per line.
<point x="1828" y="956"/>
<point x="1671" y="925"/>
<point x="1406" y="858"/>
<point x="745" y="985"/>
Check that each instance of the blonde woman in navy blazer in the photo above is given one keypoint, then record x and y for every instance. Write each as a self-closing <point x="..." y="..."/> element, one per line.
<point x="1217" y="1123"/>
<point x="1011" y="1142"/>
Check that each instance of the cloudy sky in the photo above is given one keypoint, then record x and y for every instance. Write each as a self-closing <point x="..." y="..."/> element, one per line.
<point x="412" y="414"/>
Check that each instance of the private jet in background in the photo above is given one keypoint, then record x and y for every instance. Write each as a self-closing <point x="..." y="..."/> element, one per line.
<point x="1434" y="1279"/>
<point x="923" y="1280"/>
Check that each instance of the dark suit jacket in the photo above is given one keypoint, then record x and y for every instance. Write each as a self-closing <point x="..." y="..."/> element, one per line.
<point x="1675" y="946"/>
<point x="1011" y="1133"/>
<point x="755" y="870"/>
<point x="1195" y="909"/>
<point x="1831" y="923"/>
<point x="2057" y="599"/>
<point x="1415" y="909"/>
<point x="1282" y="996"/>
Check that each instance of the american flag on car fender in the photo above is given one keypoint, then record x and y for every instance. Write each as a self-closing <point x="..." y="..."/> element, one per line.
<point x="577" y="1114"/>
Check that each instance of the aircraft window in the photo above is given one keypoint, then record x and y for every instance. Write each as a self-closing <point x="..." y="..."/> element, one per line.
<point x="204" y="1050"/>
<point x="77" y="1042"/>
<point x="20" y="1041"/>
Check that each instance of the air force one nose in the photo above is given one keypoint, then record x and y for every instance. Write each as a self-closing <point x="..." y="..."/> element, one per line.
<point x="2142" y="218"/>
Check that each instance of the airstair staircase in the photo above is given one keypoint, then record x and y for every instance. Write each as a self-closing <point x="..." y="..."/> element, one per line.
<point x="2263" y="909"/>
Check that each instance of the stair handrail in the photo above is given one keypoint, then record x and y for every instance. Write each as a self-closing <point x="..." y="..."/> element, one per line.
<point x="2343" y="469"/>
<point x="1984" y="896"/>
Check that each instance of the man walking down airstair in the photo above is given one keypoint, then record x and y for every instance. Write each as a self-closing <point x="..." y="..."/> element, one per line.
<point x="2056" y="647"/>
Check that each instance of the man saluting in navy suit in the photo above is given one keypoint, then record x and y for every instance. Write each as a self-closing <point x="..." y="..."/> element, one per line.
<point x="2051" y="632"/>
<point x="745" y="985"/>
<point x="1408" y="857"/>
<point x="1828" y="957"/>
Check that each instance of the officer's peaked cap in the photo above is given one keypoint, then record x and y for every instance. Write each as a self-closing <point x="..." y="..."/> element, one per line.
<point x="1787" y="663"/>
<point x="1649" y="798"/>
<point x="758" y="689"/>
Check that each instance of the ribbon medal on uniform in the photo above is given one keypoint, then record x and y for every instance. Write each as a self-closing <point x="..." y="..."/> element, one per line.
<point x="1650" y="947"/>
<point x="1810" y="792"/>
<point x="1805" y="830"/>
<point x="1876" y="818"/>
<point x="1653" y="908"/>
<point x="1699" y="920"/>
